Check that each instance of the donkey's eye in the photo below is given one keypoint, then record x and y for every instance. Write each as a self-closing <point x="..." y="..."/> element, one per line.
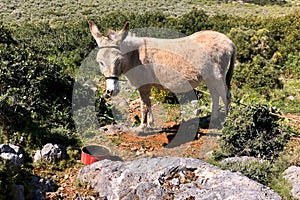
<point x="118" y="62"/>
<point x="101" y="63"/>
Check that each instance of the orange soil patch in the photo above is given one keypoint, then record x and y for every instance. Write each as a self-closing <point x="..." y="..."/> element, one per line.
<point x="131" y="142"/>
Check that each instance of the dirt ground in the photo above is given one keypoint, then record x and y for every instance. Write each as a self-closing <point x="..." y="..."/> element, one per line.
<point x="127" y="146"/>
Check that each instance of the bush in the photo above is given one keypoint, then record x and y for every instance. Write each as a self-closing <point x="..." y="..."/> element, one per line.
<point x="262" y="75"/>
<point x="258" y="60"/>
<point x="11" y="175"/>
<point x="291" y="66"/>
<point x="251" y="42"/>
<point x="65" y="45"/>
<point x="35" y="104"/>
<point x="7" y="180"/>
<point x="255" y="170"/>
<point x="35" y="96"/>
<point x="103" y="110"/>
<point x="191" y="22"/>
<point x="255" y="131"/>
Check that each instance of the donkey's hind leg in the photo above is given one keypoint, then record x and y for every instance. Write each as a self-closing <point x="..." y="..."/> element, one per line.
<point x="217" y="89"/>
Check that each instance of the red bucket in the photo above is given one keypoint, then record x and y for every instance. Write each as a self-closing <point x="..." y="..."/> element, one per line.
<point x="94" y="153"/>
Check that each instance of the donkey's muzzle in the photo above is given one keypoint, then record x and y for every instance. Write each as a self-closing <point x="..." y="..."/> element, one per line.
<point x="108" y="94"/>
<point x="112" y="86"/>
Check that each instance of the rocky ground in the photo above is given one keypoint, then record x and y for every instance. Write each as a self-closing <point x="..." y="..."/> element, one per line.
<point x="127" y="145"/>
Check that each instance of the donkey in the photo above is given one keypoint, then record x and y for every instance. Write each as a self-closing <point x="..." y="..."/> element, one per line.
<point x="178" y="65"/>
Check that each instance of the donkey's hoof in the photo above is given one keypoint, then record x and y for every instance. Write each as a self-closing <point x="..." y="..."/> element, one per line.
<point x="143" y="126"/>
<point x="150" y="125"/>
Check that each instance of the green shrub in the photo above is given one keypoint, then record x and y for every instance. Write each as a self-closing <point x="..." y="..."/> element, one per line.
<point x="148" y="19"/>
<point x="35" y="97"/>
<point x="5" y="35"/>
<point x="7" y="180"/>
<point x="283" y="31"/>
<point x="291" y="66"/>
<point x="255" y="131"/>
<point x="264" y="172"/>
<point x="258" y="60"/>
<point x="224" y="23"/>
<point x="260" y="74"/>
<point x="193" y="21"/>
<point x="11" y="175"/>
<point x="255" y="170"/>
<point x="164" y="96"/>
<point x="65" y="45"/>
<point x="90" y="109"/>
<point x="251" y="42"/>
<point x="103" y="110"/>
<point x="35" y="104"/>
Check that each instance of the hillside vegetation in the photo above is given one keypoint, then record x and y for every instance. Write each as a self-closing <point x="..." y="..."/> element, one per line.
<point x="19" y="11"/>
<point x="43" y="43"/>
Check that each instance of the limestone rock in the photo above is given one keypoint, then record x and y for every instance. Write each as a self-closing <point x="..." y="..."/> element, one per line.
<point x="170" y="178"/>
<point x="292" y="175"/>
<point x="12" y="153"/>
<point x="51" y="152"/>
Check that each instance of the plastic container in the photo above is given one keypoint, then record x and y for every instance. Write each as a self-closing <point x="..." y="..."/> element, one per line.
<point x="94" y="153"/>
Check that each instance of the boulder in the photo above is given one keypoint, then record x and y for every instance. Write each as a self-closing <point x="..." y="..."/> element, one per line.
<point x="170" y="178"/>
<point x="292" y="175"/>
<point x="12" y="153"/>
<point x="51" y="152"/>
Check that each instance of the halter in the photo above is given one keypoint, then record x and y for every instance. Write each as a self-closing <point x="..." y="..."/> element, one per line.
<point x="110" y="47"/>
<point x="112" y="77"/>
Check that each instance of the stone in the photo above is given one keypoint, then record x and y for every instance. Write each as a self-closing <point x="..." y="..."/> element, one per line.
<point x="12" y="153"/>
<point x="41" y="186"/>
<point x="170" y="178"/>
<point x="51" y="152"/>
<point x="113" y="128"/>
<point x="292" y="175"/>
<point x="37" y="156"/>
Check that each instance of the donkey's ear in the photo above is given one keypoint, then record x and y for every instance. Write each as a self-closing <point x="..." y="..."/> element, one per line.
<point x="122" y="34"/>
<point x="95" y="32"/>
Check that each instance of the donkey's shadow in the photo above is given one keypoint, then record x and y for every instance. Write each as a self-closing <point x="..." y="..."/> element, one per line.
<point x="184" y="132"/>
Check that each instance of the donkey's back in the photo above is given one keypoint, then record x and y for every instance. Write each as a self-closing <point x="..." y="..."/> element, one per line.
<point x="221" y="50"/>
<point x="195" y="58"/>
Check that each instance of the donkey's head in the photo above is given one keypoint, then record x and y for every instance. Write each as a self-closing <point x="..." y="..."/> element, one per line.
<point x="109" y="56"/>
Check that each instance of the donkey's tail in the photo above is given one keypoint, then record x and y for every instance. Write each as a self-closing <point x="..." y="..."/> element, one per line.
<point x="229" y="73"/>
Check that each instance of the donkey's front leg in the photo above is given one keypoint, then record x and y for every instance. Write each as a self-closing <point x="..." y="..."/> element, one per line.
<point x="146" y="112"/>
